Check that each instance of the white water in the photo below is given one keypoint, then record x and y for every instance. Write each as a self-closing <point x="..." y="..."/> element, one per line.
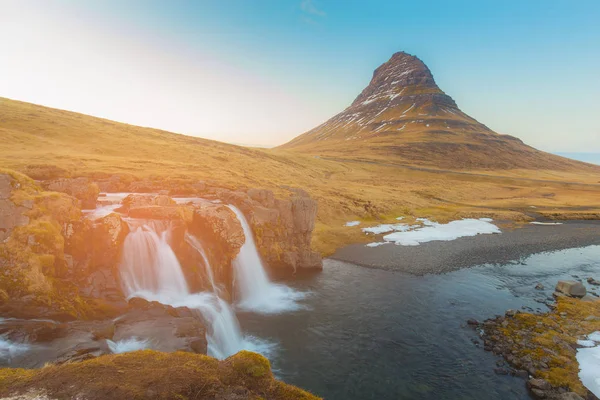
<point x="127" y="345"/>
<point x="195" y="243"/>
<point x="9" y="349"/>
<point x="150" y="265"/>
<point x="150" y="270"/>
<point x="256" y="292"/>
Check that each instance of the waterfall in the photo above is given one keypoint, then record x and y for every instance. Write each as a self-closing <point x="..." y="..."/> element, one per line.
<point x="256" y="292"/>
<point x="195" y="243"/>
<point x="150" y="270"/>
<point x="150" y="265"/>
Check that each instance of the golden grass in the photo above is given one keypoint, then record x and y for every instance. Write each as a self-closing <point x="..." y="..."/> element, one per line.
<point x="43" y="141"/>
<point x="151" y="374"/>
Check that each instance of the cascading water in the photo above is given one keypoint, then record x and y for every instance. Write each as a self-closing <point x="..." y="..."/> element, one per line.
<point x="149" y="264"/>
<point x="257" y="293"/>
<point x="195" y="243"/>
<point x="150" y="270"/>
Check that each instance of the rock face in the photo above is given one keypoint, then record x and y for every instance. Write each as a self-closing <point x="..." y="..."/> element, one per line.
<point x="571" y="288"/>
<point x="11" y="215"/>
<point x="403" y="116"/>
<point x="80" y="188"/>
<point x="95" y="251"/>
<point x="282" y="228"/>
<point x="220" y="234"/>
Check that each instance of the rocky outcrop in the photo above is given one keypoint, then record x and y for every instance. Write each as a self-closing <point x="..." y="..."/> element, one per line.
<point x="95" y="251"/>
<point x="282" y="228"/>
<point x="150" y="324"/>
<point x="152" y="375"/>
<point x="11" y="214"/>
<point x="542" y="347"/>
<point x="80" y="188"/>
<point x="221" y="235"/>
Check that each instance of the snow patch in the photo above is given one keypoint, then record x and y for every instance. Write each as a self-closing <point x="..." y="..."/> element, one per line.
<point x="352" y="223"/>
<point x="433" y="231"/>
<point x="545" y="223"/>
<point x="385" y="228"/>
<point x="589" y="363"/>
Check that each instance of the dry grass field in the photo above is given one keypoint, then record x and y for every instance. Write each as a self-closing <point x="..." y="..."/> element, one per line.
<point x="370" y="190"/>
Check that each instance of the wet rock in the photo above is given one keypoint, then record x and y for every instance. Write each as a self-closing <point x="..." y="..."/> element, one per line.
<point x="539" y="384"/>
<point x="540" y="394"/>
<point x="80" y="188"/>
<point x="521" y="374"/>
<point x="221" y="235"/>
<point x="592" y="281"/>
<point x="472" y="322"/>
<point x="501" y="371"/>
<point x="571" y="288"/>
<point x="162" y="327"/>
<point x="569" y="396"/>
<point x="511" y="313"/>
<point x="539" y="286"/>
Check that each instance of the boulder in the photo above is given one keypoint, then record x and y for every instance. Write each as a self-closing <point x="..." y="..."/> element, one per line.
<point x="162" y="327"/>
<point x="539" y="384"/>
<point x="80" y="188"/>
<point x="571" y="288"/>
<point x="593" y="281"/>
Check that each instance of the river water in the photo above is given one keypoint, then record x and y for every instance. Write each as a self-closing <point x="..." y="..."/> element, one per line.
<point x="375" y="334"/>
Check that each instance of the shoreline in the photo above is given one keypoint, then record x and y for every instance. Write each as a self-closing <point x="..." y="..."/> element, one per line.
<point x="440" y="257"/>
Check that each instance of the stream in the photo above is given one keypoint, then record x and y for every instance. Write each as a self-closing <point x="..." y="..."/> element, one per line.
<point x="375" y="334"/>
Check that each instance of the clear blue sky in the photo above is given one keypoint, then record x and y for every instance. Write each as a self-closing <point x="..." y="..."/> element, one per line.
<point x="264" y="71"/>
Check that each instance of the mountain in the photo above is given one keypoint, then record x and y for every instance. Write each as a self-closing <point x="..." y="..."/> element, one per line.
<point x="402" y="116"/>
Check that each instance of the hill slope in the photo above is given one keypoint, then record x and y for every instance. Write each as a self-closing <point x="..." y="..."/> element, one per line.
<point x="403" y="116"/>
<point x="37" y="140"/>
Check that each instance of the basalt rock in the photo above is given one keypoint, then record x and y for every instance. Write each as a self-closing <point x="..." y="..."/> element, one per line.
<point x="11" y="214"/>
<point x="153" y="325"/>
<point x="80" y="188"/>
<point x="282" y="227"/>
<point x="95" y="250"/>
<point x="221" y="235"/>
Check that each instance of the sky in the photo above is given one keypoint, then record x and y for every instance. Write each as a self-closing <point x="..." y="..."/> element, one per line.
<point x="261" y="72"/>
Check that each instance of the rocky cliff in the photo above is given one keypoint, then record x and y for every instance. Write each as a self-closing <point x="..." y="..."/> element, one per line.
<point x="58" y="263"/>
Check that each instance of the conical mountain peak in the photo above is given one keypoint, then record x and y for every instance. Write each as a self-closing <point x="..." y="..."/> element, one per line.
<point x="403" y="116"/>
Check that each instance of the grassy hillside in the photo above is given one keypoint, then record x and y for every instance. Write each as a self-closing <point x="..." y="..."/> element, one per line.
<point x="348" y="189"/>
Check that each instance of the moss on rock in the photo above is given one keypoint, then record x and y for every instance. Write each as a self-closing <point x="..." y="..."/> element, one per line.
<point x="150" y="374"/>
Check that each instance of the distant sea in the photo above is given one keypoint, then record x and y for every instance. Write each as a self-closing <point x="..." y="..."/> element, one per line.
<point x="593" y="158"/>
